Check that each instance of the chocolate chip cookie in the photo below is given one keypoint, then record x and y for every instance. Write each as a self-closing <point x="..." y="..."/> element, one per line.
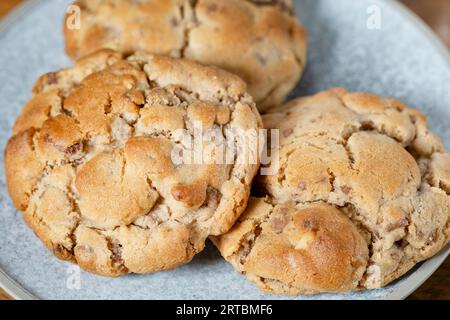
<point x="91" y="167"/>
<point x="362" y="194"/>
<point x="261" y="41"/>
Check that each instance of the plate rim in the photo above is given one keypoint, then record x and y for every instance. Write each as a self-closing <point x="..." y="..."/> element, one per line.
<point x="425" y="270"/>
<point x="421" y="25"/>
<point x="11" y="286"/>
<point x="428" y="267"/>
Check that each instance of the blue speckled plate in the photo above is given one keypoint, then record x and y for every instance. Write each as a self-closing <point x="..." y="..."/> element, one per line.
<point x="403" y="59"/>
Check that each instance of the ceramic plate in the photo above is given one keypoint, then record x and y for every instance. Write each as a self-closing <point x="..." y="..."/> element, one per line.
<point x="374" y="45"/>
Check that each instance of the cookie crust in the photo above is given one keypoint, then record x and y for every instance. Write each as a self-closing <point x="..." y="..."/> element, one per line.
<point x="261" y="41"/>
<point x="372" y="181"/>
<point x="89" y="164"/>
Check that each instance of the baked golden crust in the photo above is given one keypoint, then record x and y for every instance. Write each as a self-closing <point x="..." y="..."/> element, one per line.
<point x="284" y="249"/>
<point x="371" y="161"/>
<point x="261" y="41"/>
<point x="90" y="165"/>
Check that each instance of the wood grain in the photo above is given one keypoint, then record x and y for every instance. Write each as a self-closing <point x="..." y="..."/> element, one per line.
<point x="437" y="287"/>
<point x="7" y="5"/>
<point x="437" y="14"/>
<point x="4" y="295"/>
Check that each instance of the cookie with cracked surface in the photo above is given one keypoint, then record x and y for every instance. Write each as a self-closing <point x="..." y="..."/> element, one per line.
<point x="261" y="41"/>
<point x="90" y="161"/>
<point x="361" y="195"/>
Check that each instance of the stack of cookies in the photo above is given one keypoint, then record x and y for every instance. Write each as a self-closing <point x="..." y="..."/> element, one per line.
<point x="130" y="160"/>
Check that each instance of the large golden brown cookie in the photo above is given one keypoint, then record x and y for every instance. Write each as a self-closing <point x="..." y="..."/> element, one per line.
<point x="261" y="41"/>
<point x="360" y="197"/>
<point x="90" y="163"/>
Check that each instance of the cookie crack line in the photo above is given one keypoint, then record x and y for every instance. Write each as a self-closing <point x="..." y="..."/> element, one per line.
<point x="256" y="232"/>
<point x="400" y="212"/>
<point x="189" y="24"/>
<point x="370" y="125"/>
<point x="57" y="247"/>
<point x="138" y="74"/>
<point x="169" y="30"/>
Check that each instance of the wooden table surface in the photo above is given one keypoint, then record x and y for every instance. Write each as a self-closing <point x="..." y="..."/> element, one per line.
<point x="437" y="14"/>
